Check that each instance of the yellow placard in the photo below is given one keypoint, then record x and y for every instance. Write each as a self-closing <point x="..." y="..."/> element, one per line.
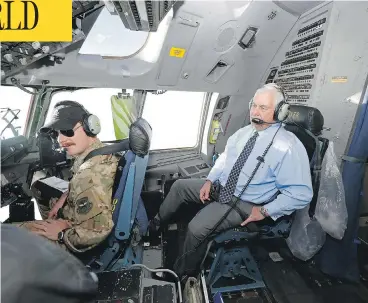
<point x="177" y="52"/>
<point x="36" y="20"/>
<point x="339" y="79"/>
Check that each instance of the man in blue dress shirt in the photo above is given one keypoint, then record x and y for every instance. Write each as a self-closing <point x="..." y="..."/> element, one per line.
<point x="281" y="185"/>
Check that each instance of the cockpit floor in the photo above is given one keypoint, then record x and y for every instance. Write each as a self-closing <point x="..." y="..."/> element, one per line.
<point x="288" y="280"/>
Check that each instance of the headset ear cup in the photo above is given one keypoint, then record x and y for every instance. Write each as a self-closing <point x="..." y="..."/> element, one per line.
<point x="94" y="125"/>
<point x="283" y="112"/>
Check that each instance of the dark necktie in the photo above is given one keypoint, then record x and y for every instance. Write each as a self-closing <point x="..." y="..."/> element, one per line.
<point x="228" y="190"/>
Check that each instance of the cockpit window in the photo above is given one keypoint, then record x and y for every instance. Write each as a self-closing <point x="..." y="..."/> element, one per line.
<point x="175" y="118"/>
<point x="97" y="101"/>
<point x="14" y="108"/>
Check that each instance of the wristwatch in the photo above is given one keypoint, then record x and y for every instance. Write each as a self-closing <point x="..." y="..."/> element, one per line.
<point x="263" y="211"/>
<point x="61" y="236"/>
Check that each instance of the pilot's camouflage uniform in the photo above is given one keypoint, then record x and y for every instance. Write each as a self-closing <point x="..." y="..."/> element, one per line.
<point x="88" y="205"/>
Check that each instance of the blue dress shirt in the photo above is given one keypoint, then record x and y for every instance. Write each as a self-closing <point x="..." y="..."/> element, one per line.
<point x="285" y="169"/>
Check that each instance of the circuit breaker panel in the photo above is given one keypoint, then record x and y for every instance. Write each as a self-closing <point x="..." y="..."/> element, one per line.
<point x="297" y="63"/>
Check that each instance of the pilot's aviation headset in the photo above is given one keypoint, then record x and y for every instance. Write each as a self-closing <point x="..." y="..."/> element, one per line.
<point x="90" y="123"/>
<point x="282" y="108"/>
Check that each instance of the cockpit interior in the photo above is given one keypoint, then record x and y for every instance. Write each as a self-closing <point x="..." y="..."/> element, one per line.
<point x="171" y="82"/>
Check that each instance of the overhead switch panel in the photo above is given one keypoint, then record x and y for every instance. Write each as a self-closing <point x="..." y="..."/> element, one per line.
<point x="297" y="71"/>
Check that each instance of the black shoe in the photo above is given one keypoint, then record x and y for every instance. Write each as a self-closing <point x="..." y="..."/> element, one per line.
<point x="154" y="225"/>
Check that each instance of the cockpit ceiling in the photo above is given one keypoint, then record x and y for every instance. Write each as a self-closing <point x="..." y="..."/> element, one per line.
<point x="135" y="15"/>
<point x="209" y="30"/>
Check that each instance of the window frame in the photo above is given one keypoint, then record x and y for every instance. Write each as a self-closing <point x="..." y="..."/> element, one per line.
<point x="28" y="118"/>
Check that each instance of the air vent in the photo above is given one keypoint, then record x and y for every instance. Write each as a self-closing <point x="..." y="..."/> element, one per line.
<point x="218" y="71"/>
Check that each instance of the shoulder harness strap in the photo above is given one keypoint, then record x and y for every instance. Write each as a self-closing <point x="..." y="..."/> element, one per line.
<point x="118" y="146"/>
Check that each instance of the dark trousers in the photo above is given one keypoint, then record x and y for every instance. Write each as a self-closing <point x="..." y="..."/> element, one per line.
<point x="187" y="191"/>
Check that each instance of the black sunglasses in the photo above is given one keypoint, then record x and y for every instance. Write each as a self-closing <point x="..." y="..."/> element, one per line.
<point x="67" y="133"/>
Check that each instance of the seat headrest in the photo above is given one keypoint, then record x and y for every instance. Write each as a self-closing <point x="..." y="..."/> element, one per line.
<point x="307" y="117"/>
<point x="140" y="134"/>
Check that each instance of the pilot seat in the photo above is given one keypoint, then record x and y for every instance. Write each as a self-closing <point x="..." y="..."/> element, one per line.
<point x="232" y="267"/>
<point x="122" y="248"/>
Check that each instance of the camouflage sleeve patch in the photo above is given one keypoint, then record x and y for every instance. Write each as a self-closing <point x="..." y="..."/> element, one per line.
<point x="83" y="206"/>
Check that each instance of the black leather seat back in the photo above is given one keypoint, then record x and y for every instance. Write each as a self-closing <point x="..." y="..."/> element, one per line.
<point x="307" y="117"/>
<point x="302" y="118"/>
<point x="308" y="142"/>
<point x="307" y="123"/>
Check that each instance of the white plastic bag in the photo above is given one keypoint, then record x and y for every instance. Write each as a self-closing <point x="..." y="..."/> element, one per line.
<point x="331" y="211"/>
<point x="306" y="236"/>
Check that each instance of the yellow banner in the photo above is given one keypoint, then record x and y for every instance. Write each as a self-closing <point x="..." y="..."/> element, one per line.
<point x="36" y="20"/>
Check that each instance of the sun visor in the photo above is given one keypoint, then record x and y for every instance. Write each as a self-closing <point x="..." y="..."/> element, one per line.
<point x="109" y="37"/>
<point x="110" y="46"/>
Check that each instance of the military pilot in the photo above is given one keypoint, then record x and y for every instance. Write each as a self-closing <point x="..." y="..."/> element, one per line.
<point x="82" y="217"/>
<point x="281" y="185"/>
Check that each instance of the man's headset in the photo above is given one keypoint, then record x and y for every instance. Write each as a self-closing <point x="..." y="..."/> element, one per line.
<point x="281" y="110"/>
<point x="90" y="123"/>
